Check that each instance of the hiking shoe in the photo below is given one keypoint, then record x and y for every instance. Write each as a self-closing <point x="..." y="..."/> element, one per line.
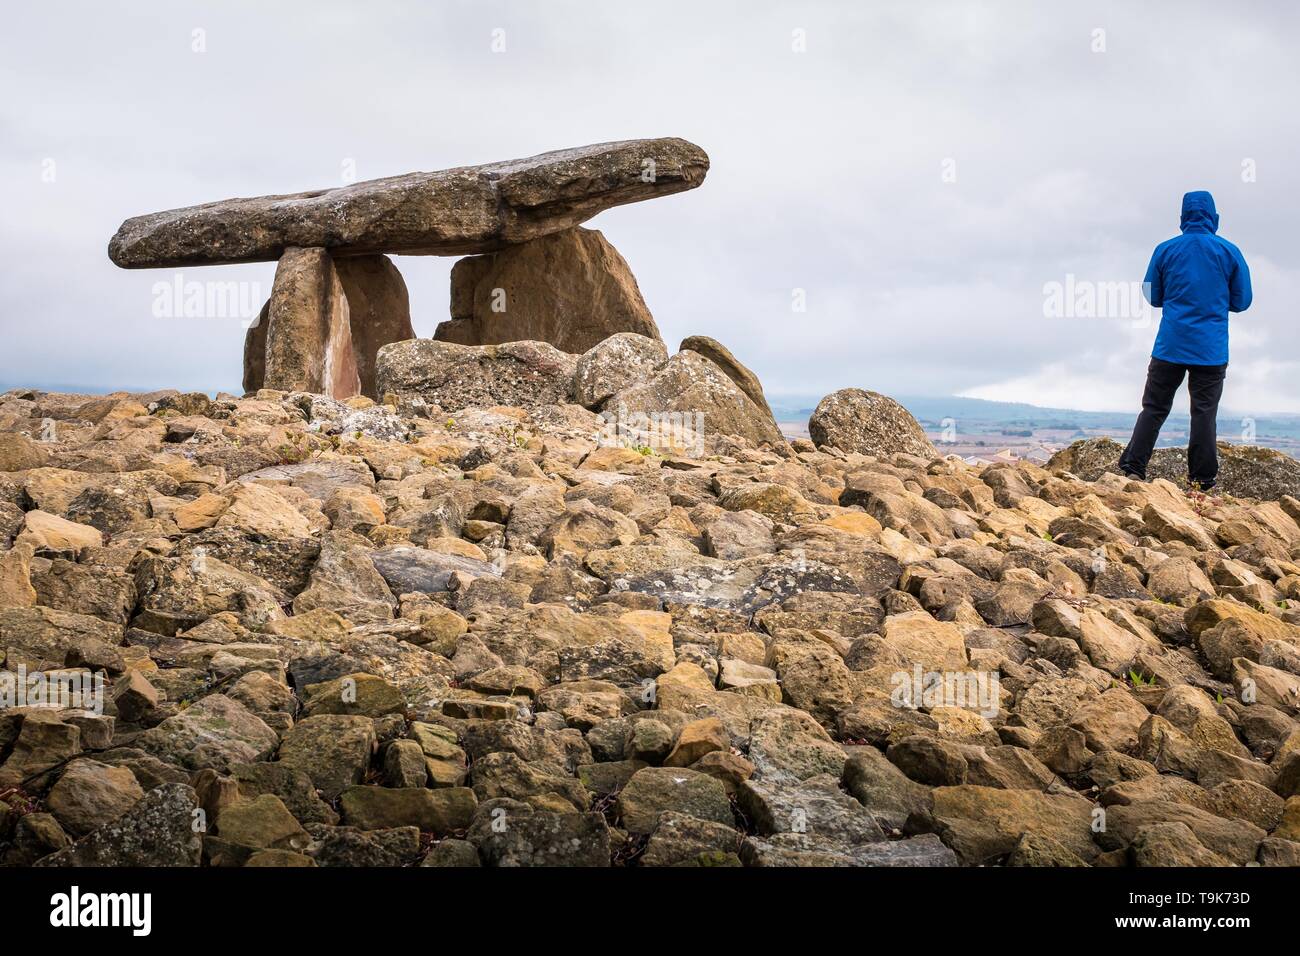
<point x="1133" y="475"/>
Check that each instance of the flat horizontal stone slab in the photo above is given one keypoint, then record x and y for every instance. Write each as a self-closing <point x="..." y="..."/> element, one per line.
<point x="452" y="212"/>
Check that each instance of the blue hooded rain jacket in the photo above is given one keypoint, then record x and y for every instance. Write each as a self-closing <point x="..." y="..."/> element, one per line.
<point x="1197" y="279"/>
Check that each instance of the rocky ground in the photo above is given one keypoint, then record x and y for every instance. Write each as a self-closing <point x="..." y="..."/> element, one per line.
<point x="360" y="634"/>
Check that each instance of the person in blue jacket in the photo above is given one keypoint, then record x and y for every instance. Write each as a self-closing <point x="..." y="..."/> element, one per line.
<point x="1197" y="279"/>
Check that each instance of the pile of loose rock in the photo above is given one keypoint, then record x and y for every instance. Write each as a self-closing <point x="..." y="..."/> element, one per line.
<point x="459" y="628"/>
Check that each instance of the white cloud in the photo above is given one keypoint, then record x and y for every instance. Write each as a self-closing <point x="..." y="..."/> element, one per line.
<point x="826" y="169"/>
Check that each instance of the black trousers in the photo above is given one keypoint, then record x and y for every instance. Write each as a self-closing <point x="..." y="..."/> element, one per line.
<point x="1205" y="383"/>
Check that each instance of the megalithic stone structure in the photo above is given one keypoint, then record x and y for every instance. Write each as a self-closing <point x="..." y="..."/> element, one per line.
<point x="337" y="298"/>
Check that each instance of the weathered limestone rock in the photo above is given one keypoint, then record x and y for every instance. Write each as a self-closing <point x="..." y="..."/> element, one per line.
<point x="721" y="356"/>
<point x="709" y="403"/>
<point x="856" y="420"/>
<point x="612" y="364"/>
<point x="470" y="209"/>
<point x="1236" y="840"/>
<point x="816" y="806"/>
<point x="43" y="637"/>
<point x="1247" y="471"/>
<point x="453" y="377"/>
<point x="90" y="794"/>
<point x="330" y="340"/>
<point x="15" y="577"/>
<point x="19" y="453"/>
<point x="1171" y="844"/>
<point x="157" y="831"/>
<point x="43" y="743"/>
<point x="262" y="822"/>
<point x="433" y="811"/>
<point x="882" y="788"/>
<point x="50" y="533"/>
<point x="571" y="289"/>
<point x="261" y="511"/>
<point x="215" y="732"/>
<point x="653" y="791"/>
<point x="333" y="749"/>
<point x="982" y="823"/>
<point x="542" y="838"/>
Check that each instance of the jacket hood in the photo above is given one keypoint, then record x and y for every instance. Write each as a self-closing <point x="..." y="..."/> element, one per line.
<point x="1199" y="214"/>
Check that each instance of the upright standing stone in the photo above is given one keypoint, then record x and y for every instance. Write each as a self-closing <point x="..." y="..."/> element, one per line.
<point x="324" y="324"/>
<point x="379" y="310"/>
<point x="255" y="350"/>
<point x="571" y="289"/>
<point x="306" y="336"/>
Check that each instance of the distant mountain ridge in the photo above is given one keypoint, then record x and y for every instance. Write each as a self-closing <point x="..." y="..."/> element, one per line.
<point x="930" y="411"/>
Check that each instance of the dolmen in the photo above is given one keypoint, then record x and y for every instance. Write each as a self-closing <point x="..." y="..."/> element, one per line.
<point x="532" y="272"/>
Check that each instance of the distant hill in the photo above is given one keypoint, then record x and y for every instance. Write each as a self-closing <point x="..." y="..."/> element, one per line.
<point x="1013" y="417"/>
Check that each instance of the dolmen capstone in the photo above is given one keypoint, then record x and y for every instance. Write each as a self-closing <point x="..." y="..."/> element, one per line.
<point x="533" y="272"/>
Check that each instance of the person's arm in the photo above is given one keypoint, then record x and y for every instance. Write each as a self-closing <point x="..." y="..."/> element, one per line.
<point x="1153" y="286"/>
<point x="1239" y="293"/>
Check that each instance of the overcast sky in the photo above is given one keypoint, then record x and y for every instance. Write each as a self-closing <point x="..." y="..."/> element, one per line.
<point x="921" y="170"/>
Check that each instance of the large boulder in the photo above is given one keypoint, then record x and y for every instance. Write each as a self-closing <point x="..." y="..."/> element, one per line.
<point x="856" y="420"/>
<point x="345" y="581"/>
<point x="47" y="532"/>
<point x="44" y="637"/>
<point x="1088" y="458"/>
<point x="461" y="211"/>
<point x="90" y="794"/>
<point x="613" y="364"/>
<point x="984" y="823"/>
<point x="721" y="356"/>
<point x="157" y="831"/>
<point x="216" y="731"/>
<point x="689" y="401"/>
<point x="570" y="288"/>
<point x="334" y="750"/>
<point x="19" y="453"/>
<point x="1245" y="471"/>
<point x="653" y="791"/>
<point x="453" y="376"/>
